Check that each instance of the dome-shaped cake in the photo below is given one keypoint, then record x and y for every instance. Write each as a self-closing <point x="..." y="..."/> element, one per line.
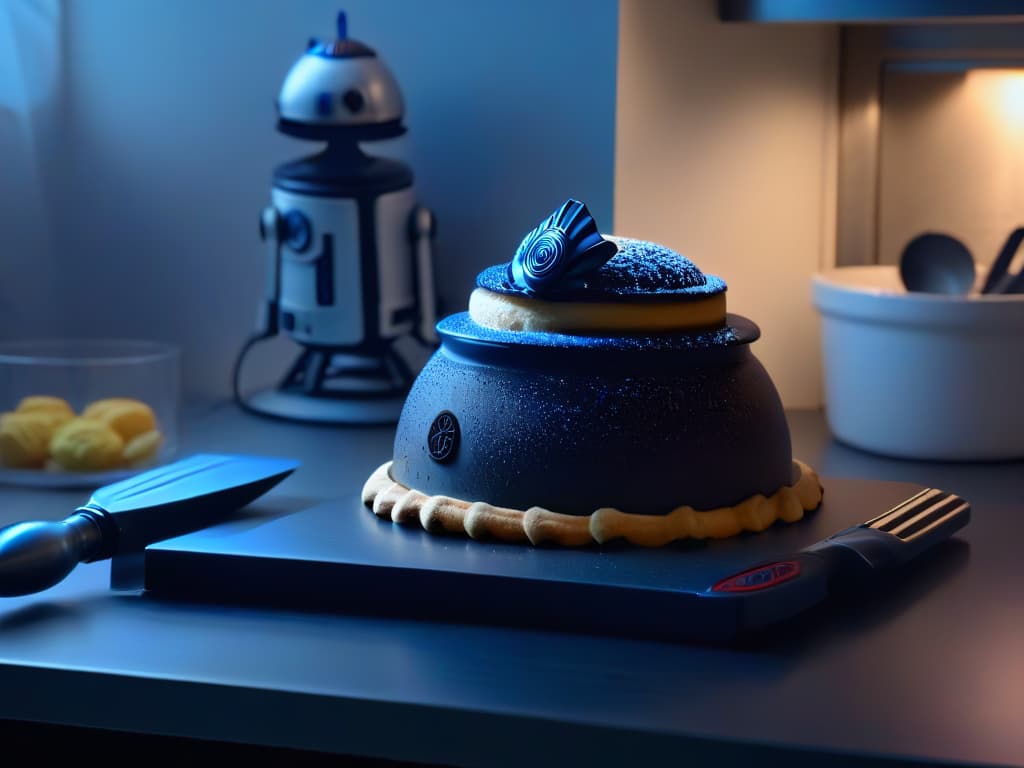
<point x="596" y="389"/>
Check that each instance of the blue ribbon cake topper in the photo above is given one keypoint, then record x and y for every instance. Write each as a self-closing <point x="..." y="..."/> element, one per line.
<point x="562" y="249"/>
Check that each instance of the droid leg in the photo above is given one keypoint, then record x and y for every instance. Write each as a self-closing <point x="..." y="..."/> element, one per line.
<point x="422" y="228"/>
<point x="270" y="226"/>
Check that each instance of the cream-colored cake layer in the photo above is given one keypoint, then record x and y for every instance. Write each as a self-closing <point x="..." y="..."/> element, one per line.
<point x="519" y="313"/>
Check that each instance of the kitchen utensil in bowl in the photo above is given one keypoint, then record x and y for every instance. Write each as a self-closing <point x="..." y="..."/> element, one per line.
<point x="937" y="263"/>
<point x="997" y="280"/>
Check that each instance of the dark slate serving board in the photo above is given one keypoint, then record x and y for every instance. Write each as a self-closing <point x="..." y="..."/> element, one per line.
<point x="337" y="556"/>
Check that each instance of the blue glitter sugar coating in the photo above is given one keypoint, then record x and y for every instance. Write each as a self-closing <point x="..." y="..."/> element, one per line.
<point x="640" y="270"/>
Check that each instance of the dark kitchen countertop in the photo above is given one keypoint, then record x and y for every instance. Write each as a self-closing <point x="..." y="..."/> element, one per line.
<point x="930" y="672"/>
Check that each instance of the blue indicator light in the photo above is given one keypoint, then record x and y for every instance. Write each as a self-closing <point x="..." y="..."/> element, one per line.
<point x="297" y="231"/>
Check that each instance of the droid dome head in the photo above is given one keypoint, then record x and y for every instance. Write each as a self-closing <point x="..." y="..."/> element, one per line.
<point x="340" y="89"/>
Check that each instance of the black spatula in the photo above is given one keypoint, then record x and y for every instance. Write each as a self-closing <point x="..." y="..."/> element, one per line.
<point x="125" y="516"/>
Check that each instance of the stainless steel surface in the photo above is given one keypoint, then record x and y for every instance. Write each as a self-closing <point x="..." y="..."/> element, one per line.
<point x="997" y="280"/>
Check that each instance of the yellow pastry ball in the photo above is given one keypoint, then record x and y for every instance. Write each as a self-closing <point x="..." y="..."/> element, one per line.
<point x="96" y="408"/>
<point x="25" y="439"/>
<point x="142" y="448"/>
<point x="126" y="416"/>
<point x="86" y="445"/>
<point x="56" y="408"/>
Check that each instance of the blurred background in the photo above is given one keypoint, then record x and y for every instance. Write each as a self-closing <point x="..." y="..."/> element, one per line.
<point x="138" y="141"/>
<point x="143" y="137"/>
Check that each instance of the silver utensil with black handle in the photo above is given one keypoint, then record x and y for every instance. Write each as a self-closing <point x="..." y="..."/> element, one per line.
<point x="124" y="517"/>
<point x="998" y="279"/>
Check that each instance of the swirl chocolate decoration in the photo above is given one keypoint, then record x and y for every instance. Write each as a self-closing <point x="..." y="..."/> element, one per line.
<point x="564" y="248"/>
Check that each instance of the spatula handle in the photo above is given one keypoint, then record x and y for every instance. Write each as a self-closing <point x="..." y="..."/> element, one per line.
<point x="37" y="555"/>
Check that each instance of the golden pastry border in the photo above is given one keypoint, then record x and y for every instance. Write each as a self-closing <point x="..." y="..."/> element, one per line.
<point x="479" y="520"/>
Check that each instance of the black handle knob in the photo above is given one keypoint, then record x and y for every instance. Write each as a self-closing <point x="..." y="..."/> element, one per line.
<point x="37" y="555"/>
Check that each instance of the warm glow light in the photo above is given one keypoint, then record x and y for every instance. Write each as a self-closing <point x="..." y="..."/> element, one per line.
<point x="1003" y="89"/>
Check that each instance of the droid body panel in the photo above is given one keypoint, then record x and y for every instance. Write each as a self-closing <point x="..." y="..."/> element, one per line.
<point x="348" y="275"/>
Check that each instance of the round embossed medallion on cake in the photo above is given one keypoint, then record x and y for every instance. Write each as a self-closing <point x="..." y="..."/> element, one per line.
<point x="443" y="437"/>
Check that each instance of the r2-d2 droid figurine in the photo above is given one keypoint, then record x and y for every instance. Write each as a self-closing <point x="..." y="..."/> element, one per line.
<point x="349" y="248"/>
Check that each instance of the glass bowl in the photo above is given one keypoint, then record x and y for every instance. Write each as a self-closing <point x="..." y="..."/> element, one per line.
<point x="131" y="386"/>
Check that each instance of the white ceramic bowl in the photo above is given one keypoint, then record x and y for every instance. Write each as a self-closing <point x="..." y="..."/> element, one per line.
<point x="921" y="376"/>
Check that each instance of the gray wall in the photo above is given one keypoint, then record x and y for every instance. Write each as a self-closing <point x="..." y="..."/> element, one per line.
<point x="30" y="138"/>
<point x="169" y="145"/>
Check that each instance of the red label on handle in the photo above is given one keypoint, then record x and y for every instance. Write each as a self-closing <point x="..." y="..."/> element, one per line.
<point x="761" y="577"/>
